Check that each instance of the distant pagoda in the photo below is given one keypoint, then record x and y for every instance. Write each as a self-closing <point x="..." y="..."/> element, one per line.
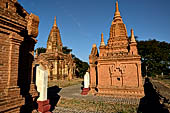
<point x="60" y="66"/>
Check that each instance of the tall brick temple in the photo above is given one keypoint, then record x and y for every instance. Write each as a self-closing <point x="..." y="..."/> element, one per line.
<point x="116" y="69"/>
<point x="60" y="66"/>
<point x="18" y="30"/>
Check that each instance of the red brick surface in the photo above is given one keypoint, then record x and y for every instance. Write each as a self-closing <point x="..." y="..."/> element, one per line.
<point x="44" y="106"/>
<point x="14" y="24"/>
<point x="116" y="69"/>
<point x="85" y="91"/>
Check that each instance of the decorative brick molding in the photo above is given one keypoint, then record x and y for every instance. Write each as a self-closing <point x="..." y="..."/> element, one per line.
<point x="116" y="70"/>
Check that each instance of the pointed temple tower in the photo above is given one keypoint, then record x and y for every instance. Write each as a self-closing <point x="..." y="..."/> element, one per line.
<point x="116" y="70"/>
<point x="59" y="65"/>
<point x="54" y="39"/>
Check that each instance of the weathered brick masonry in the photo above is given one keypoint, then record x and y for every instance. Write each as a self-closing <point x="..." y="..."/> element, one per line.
<point x="116" y="69"/>
<point x="18" y="30"/>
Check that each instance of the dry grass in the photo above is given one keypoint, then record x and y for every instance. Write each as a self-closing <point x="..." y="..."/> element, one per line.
<point x="104" y="107"/>
<point x="65" y="83"/>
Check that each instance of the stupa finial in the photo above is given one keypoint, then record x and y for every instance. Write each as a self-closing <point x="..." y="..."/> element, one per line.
<point x="117" y="13"/>
<point x="55" y="24"/>
<point x="102" y="40"/>
<point x="132" y="37"/>
<point x="117" y="6"/>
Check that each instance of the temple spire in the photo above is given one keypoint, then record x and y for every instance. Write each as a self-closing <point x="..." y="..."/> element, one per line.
<point x="117" y="7"/>
<point x="132" y="37"/>
<point x="102" y="40"/>
<point x="117" y="13"/>
<point x="55" y="24"/>
<point x="54" y="42"/>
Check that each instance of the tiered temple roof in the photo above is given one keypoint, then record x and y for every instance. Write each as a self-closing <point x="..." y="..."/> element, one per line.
<point x="54" y="42"/>
<point x="118" y="39"/>
<point x="118" y="42"/>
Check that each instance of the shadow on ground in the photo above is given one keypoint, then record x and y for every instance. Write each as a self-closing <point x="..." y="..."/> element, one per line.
<point x="53" y="96"/>
<point x="150" y="103"/>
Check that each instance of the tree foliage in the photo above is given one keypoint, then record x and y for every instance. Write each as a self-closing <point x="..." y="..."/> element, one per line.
<point x="155" y="56"/>
<point x="81" y="67"/>
<point x="66" y="50"/>
<point x="41" y="50"/>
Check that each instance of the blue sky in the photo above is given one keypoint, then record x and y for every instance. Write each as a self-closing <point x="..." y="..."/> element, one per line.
<point x="81" y="22"/>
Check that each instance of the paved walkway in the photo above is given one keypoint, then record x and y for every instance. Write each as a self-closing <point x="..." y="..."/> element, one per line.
<point x="75" y="92"/>
<point x="71" y="91"/>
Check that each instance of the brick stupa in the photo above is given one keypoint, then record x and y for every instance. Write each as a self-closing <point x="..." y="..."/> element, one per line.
<point x="116" y="70"/>
<point x="60" y="66"/>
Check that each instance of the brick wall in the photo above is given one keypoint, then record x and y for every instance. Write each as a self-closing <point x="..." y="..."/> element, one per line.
<point x="18" y="30"/>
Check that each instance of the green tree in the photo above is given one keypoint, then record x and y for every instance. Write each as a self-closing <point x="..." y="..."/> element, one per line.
<point x="66" y="50"/>
<point x="41" y="50"/>
<point x="81" y="67"/>
<point x="155" y="55"/>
